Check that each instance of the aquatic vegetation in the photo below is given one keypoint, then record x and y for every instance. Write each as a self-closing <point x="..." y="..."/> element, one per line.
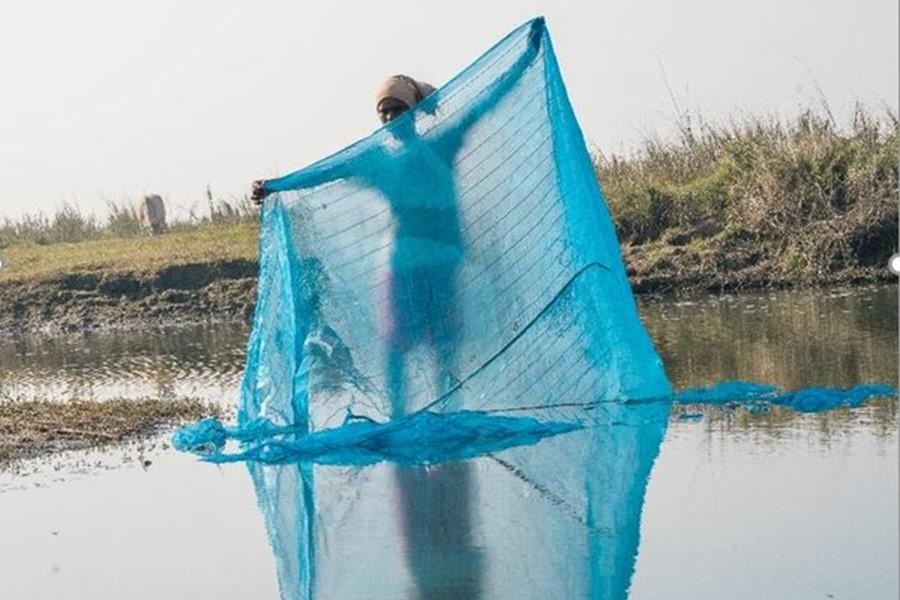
<point x="31" y="428"/>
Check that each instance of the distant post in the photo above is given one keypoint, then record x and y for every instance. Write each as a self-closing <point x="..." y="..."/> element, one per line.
<point x="152" y="213"/>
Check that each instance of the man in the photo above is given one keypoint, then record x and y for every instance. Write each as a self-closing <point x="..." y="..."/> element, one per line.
<point x="427" y="247"/>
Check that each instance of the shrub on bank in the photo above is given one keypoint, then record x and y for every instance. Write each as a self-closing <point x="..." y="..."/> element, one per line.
<point x="813" y="197"/>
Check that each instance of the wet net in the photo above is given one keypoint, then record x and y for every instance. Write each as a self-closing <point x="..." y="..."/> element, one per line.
<point x="451" y="287"/>
<point x="460" y="258"/>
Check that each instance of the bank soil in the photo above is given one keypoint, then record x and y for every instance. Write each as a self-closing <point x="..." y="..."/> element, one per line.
<point x="719" y="264"/>
<point x="221" y="290"/>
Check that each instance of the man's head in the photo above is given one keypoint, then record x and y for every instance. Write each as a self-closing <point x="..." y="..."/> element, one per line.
<point x="398" y="94"/>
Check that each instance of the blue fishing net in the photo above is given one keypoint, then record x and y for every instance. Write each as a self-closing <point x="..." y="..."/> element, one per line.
<point x="451" y="286"/>
<point x="462" y="257"/>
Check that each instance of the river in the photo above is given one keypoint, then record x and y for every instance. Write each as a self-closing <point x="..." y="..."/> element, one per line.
<point x="739" y="503"/>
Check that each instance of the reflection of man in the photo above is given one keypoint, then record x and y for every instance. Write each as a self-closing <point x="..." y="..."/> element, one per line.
<point x="441" y="554"/>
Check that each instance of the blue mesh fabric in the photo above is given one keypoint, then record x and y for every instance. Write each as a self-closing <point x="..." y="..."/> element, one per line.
<point x="461" y="260"/>
<point x="461" y="257"/>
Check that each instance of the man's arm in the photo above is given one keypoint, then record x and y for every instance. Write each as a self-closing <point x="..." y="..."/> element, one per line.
<point x="453" y="136"/>
<point x="327" y="170"/>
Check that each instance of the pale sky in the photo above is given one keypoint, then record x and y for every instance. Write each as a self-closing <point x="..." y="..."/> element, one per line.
<point x="109" y="100"/>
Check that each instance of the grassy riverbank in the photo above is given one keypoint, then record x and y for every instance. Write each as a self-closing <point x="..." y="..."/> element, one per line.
<point x="754" y="204"/>
<point x="759" y="203"/>
<point x="206" y="273"/>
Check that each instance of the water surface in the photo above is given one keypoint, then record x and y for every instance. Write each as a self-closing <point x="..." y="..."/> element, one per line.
<point x="740" y="504"/>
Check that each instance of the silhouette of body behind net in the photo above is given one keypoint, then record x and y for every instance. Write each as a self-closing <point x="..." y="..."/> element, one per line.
<point x="428" y="245"/>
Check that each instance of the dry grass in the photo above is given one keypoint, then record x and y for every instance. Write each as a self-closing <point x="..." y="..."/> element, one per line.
<point x="70" y="225"/>
<point x="756" y="202"/>
<point x="813" y="197"/>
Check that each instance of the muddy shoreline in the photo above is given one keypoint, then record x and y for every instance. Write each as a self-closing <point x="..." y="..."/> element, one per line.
<point x="29" y="430"/>
<point x="182" y="294"/>
<point x="226" y="290"/>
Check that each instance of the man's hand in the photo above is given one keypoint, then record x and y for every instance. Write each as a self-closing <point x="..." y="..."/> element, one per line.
<point x="537" y="32"/>
<point x="259" y="192"/>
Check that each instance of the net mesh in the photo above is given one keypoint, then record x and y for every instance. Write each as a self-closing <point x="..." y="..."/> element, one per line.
<point x="461" y="257"/>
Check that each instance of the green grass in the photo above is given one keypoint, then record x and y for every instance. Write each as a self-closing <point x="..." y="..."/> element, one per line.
<point x="136" y="255"/>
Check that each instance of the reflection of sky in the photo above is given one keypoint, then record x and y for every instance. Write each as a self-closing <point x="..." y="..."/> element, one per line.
<point x="729" y="517"/>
